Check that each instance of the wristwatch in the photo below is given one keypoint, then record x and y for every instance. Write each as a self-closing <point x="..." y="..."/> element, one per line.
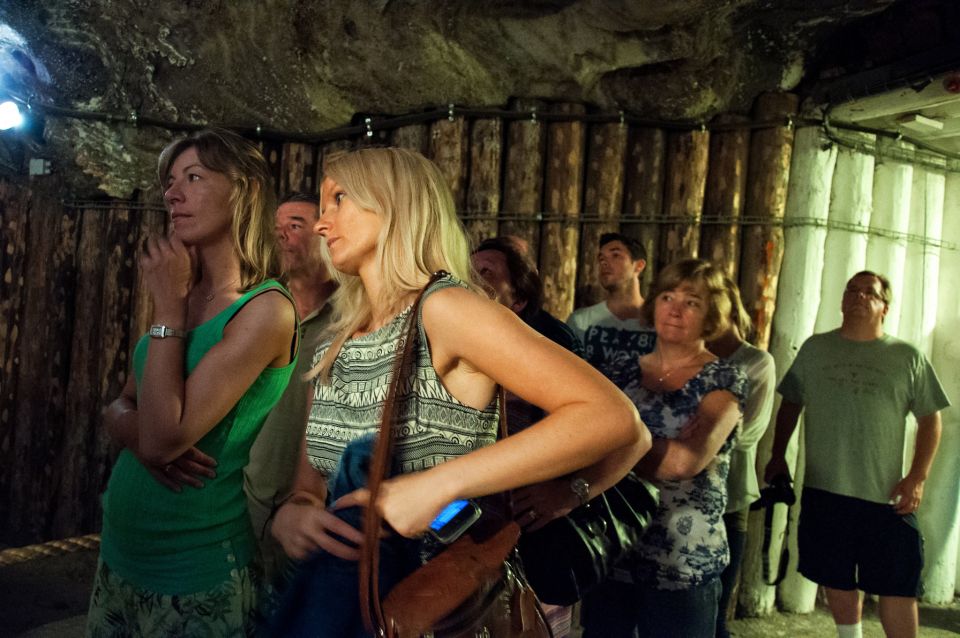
<point x="158" y="331"/>
<point x="581" y="488"/>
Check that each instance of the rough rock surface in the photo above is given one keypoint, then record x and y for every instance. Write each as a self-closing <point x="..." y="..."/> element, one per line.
<point x="304" y="65"/>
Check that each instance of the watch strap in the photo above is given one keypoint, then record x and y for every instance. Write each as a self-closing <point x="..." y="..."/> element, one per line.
<point x="159" y="331"/>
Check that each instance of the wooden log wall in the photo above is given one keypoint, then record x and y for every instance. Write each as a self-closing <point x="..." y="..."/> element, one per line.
<point x="556" y="184"/>
<point x="762" y="244"/>
<point x="70" y="305"/>
<point x="603" y="197"/>
<point x="645" y="175"/>
<point x="562" y="199"/>
<point x="523" y="177"/>
<point x="723" y="204"/>
<point x="685" y="187"/>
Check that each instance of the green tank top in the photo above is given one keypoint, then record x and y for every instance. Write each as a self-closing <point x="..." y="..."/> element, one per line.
<point x="191" y="541"/>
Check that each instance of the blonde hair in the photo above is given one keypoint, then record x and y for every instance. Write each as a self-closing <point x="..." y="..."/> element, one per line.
<point x="739" y="316"/>
<point x="694" y="271"/>
<point x="252" y="201"/>
<point x="420" y="234"/>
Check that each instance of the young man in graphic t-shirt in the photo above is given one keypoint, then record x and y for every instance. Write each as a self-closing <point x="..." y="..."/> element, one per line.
<point x="613" y="334"/>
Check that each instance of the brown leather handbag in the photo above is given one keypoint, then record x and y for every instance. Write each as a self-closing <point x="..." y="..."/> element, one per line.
<point x="472" y="588"/>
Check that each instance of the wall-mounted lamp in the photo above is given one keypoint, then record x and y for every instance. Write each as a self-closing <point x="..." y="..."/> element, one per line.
<point x="10" y="115"/>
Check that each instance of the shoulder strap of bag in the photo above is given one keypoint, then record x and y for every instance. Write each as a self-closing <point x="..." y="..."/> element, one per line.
<point x="380" y="462"/>
<point x="379" y="469"/>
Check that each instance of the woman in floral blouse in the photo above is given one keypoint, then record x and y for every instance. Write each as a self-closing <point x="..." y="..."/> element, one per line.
<point x="691" y="402"/>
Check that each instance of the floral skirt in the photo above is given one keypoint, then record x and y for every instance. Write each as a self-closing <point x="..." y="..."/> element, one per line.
<point x="120" y="609"/>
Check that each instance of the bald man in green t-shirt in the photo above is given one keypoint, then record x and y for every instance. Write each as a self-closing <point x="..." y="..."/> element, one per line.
<point x="858" y="529"/>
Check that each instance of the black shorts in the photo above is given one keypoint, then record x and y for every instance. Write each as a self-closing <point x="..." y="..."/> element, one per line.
<point x="849" y="543"/>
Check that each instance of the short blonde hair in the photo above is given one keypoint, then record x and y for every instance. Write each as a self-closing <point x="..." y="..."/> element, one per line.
<point x="694" y="271"/>
<point x="420" y="234"/>
<point x="252" y="200"/>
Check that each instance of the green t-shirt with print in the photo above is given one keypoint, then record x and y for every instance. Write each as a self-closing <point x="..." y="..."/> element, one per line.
<point x="856" y="396"/>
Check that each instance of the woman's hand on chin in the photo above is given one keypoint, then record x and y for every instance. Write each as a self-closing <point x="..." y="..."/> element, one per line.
<point x="168" y="268"/>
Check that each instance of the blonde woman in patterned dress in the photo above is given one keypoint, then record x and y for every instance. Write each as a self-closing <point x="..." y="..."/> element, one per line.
<point x="388" y="220"/>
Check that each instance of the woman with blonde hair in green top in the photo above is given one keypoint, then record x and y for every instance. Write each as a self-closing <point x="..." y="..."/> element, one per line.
<point x="177" y="541"/>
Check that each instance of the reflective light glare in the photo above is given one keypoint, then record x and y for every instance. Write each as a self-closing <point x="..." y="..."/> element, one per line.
<point x="10" y="115"/>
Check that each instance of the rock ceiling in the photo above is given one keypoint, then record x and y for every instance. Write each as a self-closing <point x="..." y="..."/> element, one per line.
<point x="306" y="66"/>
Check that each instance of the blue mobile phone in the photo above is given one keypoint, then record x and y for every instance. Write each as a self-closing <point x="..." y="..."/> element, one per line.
<point x="453" y="520"/>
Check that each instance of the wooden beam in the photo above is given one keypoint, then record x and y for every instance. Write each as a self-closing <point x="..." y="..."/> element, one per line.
<point x="523" y="177"/>
<point x="603" y="198"/>
<point x="726" y="183"/>
<point x="643" y="199"/>
<point x="416" y="137"/>
<point x="762" y="245"/>
<point x="298" y="170"/>
<point x="449" y="150"/>
<point x="14" y="216"/>
<point x="49" y="282"/>
<point x="563" y="193"/>
<point x="483" y="190"/>
<point x="686" y="181"/>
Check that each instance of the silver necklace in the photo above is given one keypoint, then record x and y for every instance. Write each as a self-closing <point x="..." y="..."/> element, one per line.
<point x="209" y="298"/>
<point x="690" y="362"/>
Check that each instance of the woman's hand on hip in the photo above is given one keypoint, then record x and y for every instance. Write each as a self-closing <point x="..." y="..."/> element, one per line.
<point x="168" y="268"/>
<point x="190" y="468"/>
<point x="302" y="528"/>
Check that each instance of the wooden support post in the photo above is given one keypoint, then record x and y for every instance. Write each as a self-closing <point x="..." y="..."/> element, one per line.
<point x="99" y="362"/>
<point x="563" y="191"/>
<point x="645" y="176"/>
<point x="603" y="199"/>
<point x="324" y="152"/>
<point x="892" y="185"/>
<point x="273" y="154"/>
<point x="761" y="244"/>
<point x="483" y="191"/>
<point x="49" y="283"/>
<point x="150" y="222"/>
<point x="917" y="303"/>
<point x="448" y="150"/>
<point x="812" y="192"/>
<point x="808" y="201"/>
<point x="941" y="502"/>
<point x="726" y="183"/>
<point x="845" y="251"/>
<point x="523" y="177"/>
<point x="683" y="195"/>
<point x="14" y="216"/>
<point x="298" y="173"/>
<point x="416" y="137"/>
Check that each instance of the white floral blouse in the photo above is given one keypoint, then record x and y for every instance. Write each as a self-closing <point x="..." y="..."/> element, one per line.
<point x="686" y="543"/>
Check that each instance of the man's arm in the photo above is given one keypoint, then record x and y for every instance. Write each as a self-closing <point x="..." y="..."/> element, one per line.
<point x="787" y="418"/>
<point x="908" y="493"/>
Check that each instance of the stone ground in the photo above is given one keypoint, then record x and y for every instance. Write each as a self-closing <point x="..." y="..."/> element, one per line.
<point x="47" y="597"/>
